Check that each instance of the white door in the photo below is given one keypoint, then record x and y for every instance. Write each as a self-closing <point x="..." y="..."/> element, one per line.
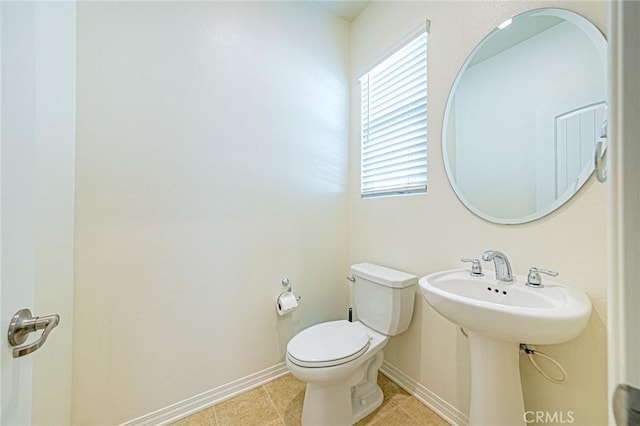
<point x="37" y="129"/>
<point x="624" y="289"/>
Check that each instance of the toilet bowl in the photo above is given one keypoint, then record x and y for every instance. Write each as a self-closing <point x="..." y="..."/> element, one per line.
<point x="349" y="356"/>
<point x="339" y="360"/>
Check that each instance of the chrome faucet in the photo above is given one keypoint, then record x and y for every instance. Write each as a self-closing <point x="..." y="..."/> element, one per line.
<point x="502" y="265"/>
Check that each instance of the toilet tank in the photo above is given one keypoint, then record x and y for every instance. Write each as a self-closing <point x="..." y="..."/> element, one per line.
<point x="383" y="297"/>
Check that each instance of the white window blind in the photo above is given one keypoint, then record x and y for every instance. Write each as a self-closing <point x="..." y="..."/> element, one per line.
<point x="394" y="123"/>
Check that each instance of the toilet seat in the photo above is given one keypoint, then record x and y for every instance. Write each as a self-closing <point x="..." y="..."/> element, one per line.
<point x="328" y="344"/>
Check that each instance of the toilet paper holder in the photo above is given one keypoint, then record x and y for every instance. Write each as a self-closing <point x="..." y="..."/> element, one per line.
<point x="286" y="302"/>
<point x="286" y="283"/>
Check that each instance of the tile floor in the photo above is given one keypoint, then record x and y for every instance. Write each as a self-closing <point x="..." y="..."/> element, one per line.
<point x="280" y="403"/>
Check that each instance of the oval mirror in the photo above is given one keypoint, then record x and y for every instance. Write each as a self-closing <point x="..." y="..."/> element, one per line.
<point x="524" y="114"/>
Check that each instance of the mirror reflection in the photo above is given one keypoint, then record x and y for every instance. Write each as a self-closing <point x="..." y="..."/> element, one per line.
<point x="524" y="115"/>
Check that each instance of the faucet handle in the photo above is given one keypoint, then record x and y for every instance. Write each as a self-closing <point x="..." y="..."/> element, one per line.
<point x="476" y="267"/>
<point x="534" y="279"/>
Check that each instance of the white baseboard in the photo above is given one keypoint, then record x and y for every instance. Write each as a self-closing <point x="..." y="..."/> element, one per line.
<point x="214" y="396"/>
<point x="206" y="399"/>
<point x="438" y="405"/>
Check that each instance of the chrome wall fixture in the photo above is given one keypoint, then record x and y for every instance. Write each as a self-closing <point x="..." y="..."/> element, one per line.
<point x="24" y="323"/>
<point x="601" y="154"/>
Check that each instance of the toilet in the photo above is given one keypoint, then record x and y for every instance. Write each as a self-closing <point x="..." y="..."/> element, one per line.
<point x="339" y="360"/>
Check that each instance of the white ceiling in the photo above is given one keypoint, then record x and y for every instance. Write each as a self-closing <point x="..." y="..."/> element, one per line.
<point x="347" y="10"/>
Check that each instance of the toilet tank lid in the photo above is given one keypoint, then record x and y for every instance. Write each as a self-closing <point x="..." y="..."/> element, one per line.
<point x="384" y="276"/>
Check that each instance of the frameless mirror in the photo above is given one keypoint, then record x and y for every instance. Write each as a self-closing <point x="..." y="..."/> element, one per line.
<point x="524" y="115"/>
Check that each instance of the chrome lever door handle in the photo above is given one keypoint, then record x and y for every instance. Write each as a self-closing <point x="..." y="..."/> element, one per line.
<point x="24" y="323"/>
<point x="626" y="405"/>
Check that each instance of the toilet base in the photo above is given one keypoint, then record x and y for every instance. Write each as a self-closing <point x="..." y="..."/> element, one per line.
<point x="344" y="403"/>
<point x="363" y="405"/>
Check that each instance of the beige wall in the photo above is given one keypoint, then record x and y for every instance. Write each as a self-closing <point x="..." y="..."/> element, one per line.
<point x="427" y="233"/>
<point x="211" y="162"/>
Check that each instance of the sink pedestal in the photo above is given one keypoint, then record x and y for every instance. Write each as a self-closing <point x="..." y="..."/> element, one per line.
<point x="501" y="313"/>
<point x="496" y="391"/>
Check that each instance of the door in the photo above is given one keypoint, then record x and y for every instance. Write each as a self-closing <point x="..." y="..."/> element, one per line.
<point x="37" y="130"/>
<point x="624" y="205"/>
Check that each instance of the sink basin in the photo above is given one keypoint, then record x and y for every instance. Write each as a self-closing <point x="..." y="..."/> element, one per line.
<point x="497" y="317"/>
<point x="511" y="312"/>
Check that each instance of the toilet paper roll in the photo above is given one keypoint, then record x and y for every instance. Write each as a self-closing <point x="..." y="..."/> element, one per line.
<point x="287" y="302"/>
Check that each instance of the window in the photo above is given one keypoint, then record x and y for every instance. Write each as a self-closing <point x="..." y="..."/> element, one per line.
<point x="394" y="123"/>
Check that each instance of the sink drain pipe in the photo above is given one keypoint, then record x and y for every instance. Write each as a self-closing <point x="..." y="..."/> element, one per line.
<point x="530" y="352"/>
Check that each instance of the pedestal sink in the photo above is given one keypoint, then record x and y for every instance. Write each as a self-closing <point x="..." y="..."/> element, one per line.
<point x="497" y="317"/>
